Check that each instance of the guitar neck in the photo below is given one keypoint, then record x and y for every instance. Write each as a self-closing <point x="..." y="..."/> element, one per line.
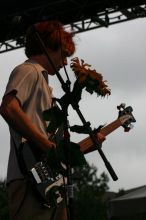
<point x="86" y="145"/>
<point x="111" y="127"/>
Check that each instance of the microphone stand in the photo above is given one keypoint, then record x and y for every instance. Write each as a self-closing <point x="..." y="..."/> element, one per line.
<point x="67" y="146"/>
<point x="69" y="98"/>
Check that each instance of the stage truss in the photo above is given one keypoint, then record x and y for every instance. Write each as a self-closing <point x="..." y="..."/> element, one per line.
<point x="13" y="32"/>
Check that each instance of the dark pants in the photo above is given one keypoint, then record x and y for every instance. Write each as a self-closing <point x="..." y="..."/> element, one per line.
<point x="24" y="205"/>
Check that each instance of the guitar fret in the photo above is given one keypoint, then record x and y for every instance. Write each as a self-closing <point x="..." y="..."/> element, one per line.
<point x="111" y="127"/>
<point x="86" y="145"/>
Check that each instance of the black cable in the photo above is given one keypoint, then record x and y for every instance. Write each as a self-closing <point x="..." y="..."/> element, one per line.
<point x="18" y="159"/>
<point x="22" y="201"/>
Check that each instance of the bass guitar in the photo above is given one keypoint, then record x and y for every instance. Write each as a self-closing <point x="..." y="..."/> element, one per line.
<point x="49" y="184"/>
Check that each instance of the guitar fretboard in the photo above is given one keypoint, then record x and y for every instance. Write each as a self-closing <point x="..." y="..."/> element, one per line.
<point x="86" y="145"/>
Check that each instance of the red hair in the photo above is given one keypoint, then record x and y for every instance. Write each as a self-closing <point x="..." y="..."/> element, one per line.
<point x="53" y="35"/>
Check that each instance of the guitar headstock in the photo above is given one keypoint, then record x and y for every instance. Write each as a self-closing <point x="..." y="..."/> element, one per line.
<point x="126" y="117"/>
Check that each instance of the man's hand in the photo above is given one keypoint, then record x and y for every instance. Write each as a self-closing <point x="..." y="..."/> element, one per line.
<point x="46" y="144"/>
<point x="100" y="137"/>
<point x="86" y="145"/>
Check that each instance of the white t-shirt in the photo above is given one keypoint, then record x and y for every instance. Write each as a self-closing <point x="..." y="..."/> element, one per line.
<point x="29" y="81"/>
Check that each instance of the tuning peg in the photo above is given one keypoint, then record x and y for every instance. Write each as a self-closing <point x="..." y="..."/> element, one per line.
<point x="131" y="126"/>
<point x="122" y="105"/>
<point x="128" y="128"/>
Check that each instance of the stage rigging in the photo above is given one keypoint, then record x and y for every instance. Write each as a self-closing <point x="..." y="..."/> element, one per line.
<point x="77" y="15"/>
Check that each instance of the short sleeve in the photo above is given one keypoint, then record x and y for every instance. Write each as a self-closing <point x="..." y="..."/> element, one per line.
<point x="22" y="80"/>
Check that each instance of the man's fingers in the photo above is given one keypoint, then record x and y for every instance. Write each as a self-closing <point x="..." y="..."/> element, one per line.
<point x="100" y="137"/>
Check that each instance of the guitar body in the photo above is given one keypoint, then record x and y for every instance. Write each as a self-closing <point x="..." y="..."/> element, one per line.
<point x="47" y="183"/>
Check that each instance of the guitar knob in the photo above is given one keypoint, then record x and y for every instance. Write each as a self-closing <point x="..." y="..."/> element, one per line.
<point x="131" y="126"/>
<point x="122" y="105"/>
<point x="127" y="129"/>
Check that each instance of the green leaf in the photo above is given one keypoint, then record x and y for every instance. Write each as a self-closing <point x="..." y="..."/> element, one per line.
<point x="79" y="129"/>
<point x="71" y="154"/>
<point x="55" y="116"/>
<point x="68" y="155"/>
<point x="54" y="162"/>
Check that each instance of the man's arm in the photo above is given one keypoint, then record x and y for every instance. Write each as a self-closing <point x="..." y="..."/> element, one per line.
<point x="12" y="112"/>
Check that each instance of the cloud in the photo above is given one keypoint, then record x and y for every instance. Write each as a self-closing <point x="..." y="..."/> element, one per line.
<point x="118" y="52"/>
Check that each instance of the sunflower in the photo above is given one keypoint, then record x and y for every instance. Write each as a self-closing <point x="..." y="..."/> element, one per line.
<point x="90" y="79"/>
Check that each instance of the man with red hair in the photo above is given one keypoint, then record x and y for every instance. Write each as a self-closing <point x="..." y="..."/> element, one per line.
<point x="27" y="95"/>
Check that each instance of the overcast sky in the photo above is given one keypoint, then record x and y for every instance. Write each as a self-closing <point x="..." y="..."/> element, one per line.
<point x="119" y="53"/>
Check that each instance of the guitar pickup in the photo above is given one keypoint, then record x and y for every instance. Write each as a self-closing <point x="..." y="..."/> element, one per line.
<point x="35" y="175"/>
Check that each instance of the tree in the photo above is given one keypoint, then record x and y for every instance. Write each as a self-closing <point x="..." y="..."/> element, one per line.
<point x="89" y="192"/>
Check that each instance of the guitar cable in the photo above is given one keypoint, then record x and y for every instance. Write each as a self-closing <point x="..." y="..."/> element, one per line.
<point x="27" y="182"/>
<point x="22" y="201"/>
<point x="65" y="199"/>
